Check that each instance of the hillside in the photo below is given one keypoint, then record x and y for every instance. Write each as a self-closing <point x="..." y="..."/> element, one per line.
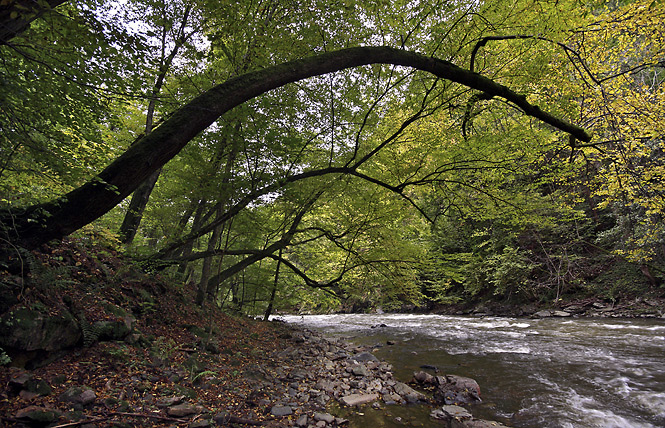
<point x="137" y="352"/>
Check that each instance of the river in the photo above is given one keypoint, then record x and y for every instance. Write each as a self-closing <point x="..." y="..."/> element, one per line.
<point x="533" y="373"/>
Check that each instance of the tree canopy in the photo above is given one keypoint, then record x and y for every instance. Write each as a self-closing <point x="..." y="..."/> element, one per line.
<point x="385" y="154"/>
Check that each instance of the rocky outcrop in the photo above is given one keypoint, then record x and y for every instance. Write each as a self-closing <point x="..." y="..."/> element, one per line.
<point x="34" y="335"/>
<point x="27" y="329"/>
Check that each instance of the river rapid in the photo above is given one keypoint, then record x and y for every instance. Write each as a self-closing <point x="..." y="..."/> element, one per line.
<point x="533" y="373"/>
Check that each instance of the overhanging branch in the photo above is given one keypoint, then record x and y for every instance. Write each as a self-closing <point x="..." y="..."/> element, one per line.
<point x="42" y="223"/>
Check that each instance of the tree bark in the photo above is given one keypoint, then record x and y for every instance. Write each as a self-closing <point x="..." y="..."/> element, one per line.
<point x="189" y="245"/>
<point x="134" y="215"/>
<point x="41" y="223"/>
<point x="273" y="292"/>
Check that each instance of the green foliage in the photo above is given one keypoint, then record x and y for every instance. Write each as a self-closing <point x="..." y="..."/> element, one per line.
<point x="163" y="347"/>
<point x="4" y="358"/>
<point x="119" y="353"/>
<point x="411" y="189"/>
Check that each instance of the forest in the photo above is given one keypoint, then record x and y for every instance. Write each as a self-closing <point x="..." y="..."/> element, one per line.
<point x="309" y="156"/>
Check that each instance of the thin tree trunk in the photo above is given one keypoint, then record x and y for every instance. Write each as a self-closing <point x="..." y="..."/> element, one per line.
<point x="134" y="215"/>
<point x="189" y="245"/>
<point x="204" y="287"/>
<point x="273" y="292"/>
<point x="141" y="196"/>
<point x="207" y="264"/>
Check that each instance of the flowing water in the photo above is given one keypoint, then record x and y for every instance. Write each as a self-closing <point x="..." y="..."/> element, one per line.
<point x="533" y="373"/>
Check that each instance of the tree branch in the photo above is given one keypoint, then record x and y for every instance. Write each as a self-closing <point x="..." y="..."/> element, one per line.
<point x="41" y="223"/>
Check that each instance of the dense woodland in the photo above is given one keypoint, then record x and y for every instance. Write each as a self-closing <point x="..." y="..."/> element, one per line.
<point x="309" y="156"/>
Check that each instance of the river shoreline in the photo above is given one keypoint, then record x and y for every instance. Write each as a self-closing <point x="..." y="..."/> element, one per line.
<point x="592" y="307"/>
<point x="533" y="372"/>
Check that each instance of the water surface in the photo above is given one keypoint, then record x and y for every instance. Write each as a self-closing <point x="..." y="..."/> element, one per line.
<point x="533" y="373"/>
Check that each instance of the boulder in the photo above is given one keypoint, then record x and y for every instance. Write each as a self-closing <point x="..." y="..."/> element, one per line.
<point x="80" y="396"/>
<point x="326" y="417"/>
<point x="449" y="413"/>
<point x="360" y="370"/>
<point x="37" y="416"/>
<point x="452" y="389"/>
<point x="184" y="409"/>
<point x="408" y="393"/>
<point x="170" y="401"/>
<point x="27" y="329"/>
<point x="543" y="314"/>
<point x="35" y="388"/>
<point x="18" y="380"/>
<point x="302" y="421"/>
<point x="561" y="314"/>
<point x="424" y="377"/>
<point x="364" y="356"/>
<point x="112" y="330"/>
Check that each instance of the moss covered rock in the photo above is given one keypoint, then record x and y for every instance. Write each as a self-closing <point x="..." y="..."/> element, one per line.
<point x="28" y="329"/>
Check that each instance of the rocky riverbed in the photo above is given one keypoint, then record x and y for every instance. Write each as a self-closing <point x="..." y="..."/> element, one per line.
<point x="117" y="347"/>
<point x="294" y="385"/>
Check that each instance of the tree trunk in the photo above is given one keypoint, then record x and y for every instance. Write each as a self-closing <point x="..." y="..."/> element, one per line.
<point x="38" y="224"/>
<point x="204" y="286"/>
<point x="134" y="215"/>
<point x="140" y="198"/>
<point x="207" y="264"/>
<point x="189" y="245"/>
<point x="273" y="292"/>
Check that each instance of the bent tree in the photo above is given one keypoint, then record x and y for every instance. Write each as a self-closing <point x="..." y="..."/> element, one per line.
<point x="37" y="224"/>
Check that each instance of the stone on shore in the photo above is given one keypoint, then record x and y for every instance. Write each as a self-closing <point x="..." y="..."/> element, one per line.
<point x="326" y="417"/>
<point x="450" y="389"/>
<point x="364" y="356"/>
<point x="281" y="410"/>
<point x="547" y="313"/>
<point x="408" y="393"/>
<point x="359" y="399"/>
<point x="184" y="409"/>
<point x="450" y="412"/>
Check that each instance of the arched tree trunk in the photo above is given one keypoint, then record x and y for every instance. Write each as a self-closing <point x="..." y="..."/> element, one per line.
<point x="35" y="225"/>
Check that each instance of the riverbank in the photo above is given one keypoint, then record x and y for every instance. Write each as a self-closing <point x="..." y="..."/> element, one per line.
<point x="107" y="345"/>
<point x="290" y="377"/>
<point x="282" y="376"/>
<point x="534" y="372"/>
<point x="638" y="307"/>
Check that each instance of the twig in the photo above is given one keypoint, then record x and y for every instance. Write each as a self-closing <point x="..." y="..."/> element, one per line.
<point x="144" y="415"/>
<point x="237" y="420"/>
<point x="148" y="415"/>
<point x="87" y="421"/>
